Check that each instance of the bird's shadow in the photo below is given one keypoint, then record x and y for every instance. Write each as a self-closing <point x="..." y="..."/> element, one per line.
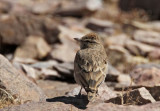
<point x="79" y="102"/>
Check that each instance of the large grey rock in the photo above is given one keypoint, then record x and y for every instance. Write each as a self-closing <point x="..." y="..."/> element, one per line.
<point x="32" y="49"/>
<point x="14" y="28"/>
<point x="18" y="84"/>
<point x="118" y="56"/>
<point x="146" y="74"/>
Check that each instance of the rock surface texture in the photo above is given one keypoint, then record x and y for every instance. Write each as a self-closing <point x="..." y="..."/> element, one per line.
<point x="18" y="84"/>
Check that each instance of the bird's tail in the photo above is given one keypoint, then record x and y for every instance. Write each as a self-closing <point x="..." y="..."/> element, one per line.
<point x="91" y="96"/>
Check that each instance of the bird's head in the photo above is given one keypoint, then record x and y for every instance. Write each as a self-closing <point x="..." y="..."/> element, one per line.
<point x="89" y="40"/>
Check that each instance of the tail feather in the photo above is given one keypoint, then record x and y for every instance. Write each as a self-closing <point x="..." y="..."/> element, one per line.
<point x="91" y="96"/>
<point x="92" y="84"/>
<point x="92" y="90"/>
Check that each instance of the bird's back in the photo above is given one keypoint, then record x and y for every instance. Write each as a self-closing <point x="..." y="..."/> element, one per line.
<point x="90" y="68"/>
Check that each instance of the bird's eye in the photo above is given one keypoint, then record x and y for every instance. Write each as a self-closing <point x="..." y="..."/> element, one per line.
<point x="90" y="41"/>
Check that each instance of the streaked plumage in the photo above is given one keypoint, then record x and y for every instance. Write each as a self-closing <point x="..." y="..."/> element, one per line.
<point x="90" y="64"/>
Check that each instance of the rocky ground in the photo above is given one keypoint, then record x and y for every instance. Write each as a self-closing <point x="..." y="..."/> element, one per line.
<point x="37" y="51"/>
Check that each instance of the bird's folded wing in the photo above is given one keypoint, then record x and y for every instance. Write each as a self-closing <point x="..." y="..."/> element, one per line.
<point x="91" y="73"/>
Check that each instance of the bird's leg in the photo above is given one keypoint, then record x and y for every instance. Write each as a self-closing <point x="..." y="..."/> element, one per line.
<point x="79" y="94"/>
<point x="97" y="94"/>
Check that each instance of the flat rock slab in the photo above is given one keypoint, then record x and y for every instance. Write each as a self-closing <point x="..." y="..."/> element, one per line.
<point x="42" y="106"/>
<point x="55" y="88"/>
<point x="101" y="25"/>
<point x="112" y="107"/>
<point x="59" y="106"/>
<point x="148" y="37"/>
<point x="139" y="96"/>
<point x="78" y="8"/>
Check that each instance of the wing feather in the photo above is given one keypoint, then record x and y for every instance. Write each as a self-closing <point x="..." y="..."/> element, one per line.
<point x="88" y="73"/>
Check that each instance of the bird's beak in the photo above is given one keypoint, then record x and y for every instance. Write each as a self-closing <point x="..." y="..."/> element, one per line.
<point x="77" y="39"/>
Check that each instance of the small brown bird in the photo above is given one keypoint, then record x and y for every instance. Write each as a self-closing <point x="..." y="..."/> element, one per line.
<point x="90" y="64"/>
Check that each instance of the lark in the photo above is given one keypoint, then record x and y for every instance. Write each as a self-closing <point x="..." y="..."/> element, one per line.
<point x="90" y="65"/>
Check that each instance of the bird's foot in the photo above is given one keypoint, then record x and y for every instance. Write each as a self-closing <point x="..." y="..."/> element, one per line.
<point x="97" y="94"/>
<point x="79" y="94"/>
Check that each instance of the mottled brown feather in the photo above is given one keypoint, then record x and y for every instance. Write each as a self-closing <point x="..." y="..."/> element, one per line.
<point x="90" y="64"/>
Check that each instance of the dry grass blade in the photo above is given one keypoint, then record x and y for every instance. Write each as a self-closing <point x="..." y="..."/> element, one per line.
<point x="122" y="100"/>
<point x="5" y="98"/>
